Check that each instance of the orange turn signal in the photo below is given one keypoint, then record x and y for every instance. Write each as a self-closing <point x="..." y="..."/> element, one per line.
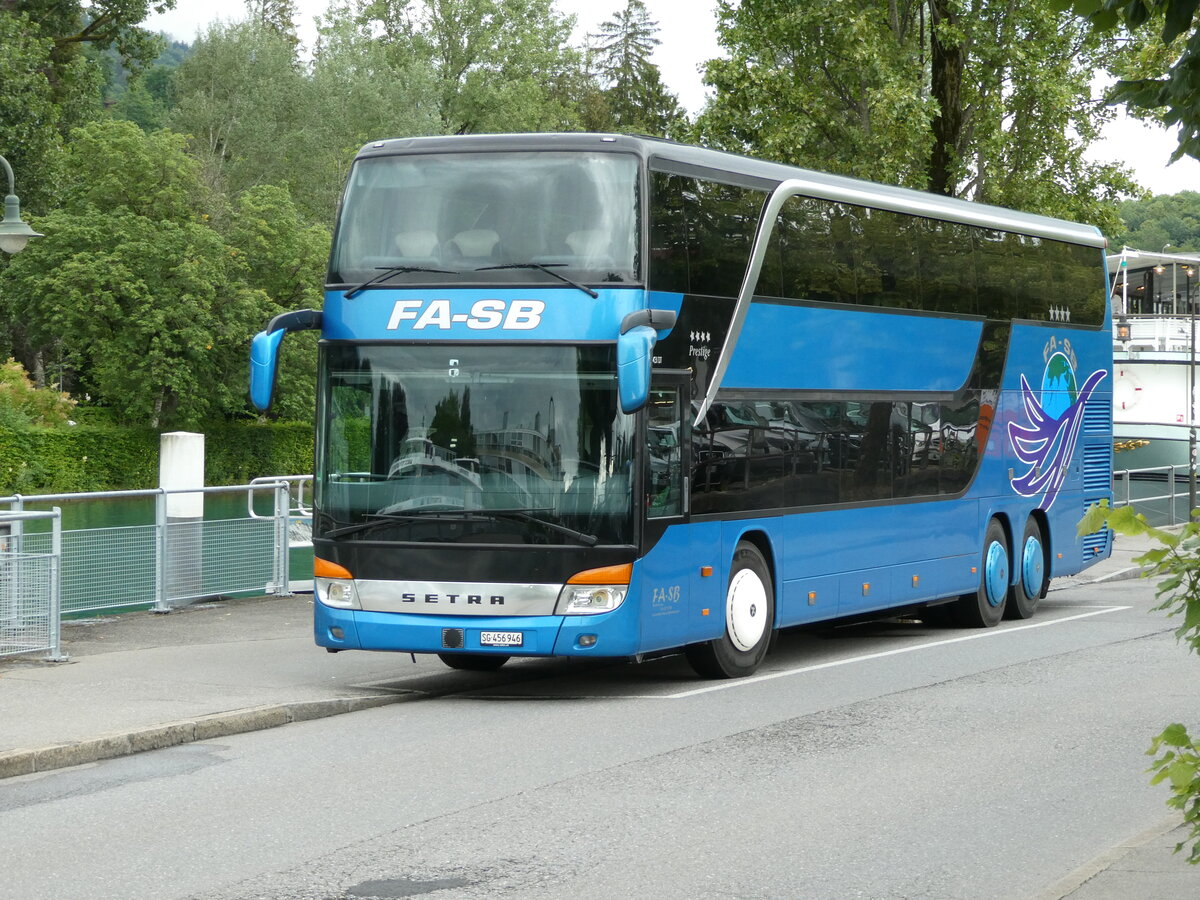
<point x="323" y="568"/>
<point x="606" y="575"/>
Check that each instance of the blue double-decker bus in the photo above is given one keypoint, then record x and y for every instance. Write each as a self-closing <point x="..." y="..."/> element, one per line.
<point x="598" y="395"/>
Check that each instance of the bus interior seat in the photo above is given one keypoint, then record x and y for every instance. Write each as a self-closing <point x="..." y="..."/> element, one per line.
<point x="417" y="247"/>
<point x="592" y="249"/>
<point x="477" y="245"/>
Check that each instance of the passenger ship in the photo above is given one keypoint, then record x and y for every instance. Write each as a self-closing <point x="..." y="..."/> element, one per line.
<point x="1155" y="332"/>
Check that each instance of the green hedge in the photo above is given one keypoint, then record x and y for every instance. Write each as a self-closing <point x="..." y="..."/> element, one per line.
<point x="98" y="458"/>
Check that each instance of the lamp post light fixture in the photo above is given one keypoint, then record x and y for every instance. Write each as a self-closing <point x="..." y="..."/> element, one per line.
<point x="14" y="234"/>
<point x="1123" y="330"/>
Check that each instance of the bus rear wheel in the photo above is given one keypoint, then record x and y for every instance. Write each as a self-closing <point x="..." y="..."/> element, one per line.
<point x="749" y="620"/>
<point x="474" y="662"/>
<point x="985" y="607"/>
<point x="1032" y="572"/>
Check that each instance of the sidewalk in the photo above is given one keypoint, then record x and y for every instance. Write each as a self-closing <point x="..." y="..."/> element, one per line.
<point x="144" y="681"/>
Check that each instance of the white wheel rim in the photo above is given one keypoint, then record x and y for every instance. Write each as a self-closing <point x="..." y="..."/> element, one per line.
<point x="746" y="610"/>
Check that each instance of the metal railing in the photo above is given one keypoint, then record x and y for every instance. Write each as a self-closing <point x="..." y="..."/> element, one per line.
<point x="1167" y="505"/>
<point x="122" y="549"/>
<point x="30" y="585"/>
<point x="296" y="485"/>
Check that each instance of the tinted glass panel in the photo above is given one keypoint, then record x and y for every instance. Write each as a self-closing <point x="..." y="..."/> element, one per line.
<point x="835" y="252"/>
<point x="474" y="443"/>
<point x="701" y="234"/>
<point x="823" y="251"/>
<point x="577" y="212"/>
<point x="776" y="454"/>
<point x="664" y="453"/>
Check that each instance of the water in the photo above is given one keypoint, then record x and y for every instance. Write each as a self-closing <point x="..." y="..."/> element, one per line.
<point x="110" y="550"/>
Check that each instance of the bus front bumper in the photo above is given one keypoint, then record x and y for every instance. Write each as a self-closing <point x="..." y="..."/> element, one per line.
<point x="606" y="634"/>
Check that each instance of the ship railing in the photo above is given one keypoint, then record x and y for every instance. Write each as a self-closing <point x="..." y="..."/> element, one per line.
<point x="1139" y="487"/>
<point x="1157" y="333"/>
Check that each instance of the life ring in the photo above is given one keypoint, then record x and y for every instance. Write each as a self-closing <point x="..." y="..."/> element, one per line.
<point x="1127" y="389"/>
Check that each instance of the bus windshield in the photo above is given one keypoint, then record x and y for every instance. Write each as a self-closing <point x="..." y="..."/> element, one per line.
<point x="474" y="443"/>
<point x="452" y="218"/>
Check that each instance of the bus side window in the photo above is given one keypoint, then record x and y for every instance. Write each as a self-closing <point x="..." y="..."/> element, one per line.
<point x="664" y="454"/>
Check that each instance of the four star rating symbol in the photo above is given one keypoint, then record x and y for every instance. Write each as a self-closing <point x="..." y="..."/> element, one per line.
<point x="699" y="337"/>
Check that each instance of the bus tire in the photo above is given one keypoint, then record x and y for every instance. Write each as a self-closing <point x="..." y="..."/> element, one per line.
<point x="985" y="607"/>
<point x="474" y="662"/>
<point x="1032" y="573"/>
<point x="749" y="620"/>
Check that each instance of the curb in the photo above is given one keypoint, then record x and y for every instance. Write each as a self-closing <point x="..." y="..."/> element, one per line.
<point x="1127" y="574"/>
<point x="1073" y="881"/>
<point x="202" y="728"/>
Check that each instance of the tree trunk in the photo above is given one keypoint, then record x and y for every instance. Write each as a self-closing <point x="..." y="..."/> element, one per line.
<point x="947" y="59"/>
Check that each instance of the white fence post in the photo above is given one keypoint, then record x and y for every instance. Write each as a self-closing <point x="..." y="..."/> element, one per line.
<point x="282" y="549"/>
<point x="160" y="552"/>
<point x="180" y="470"/>
<point x="55" y="654"/>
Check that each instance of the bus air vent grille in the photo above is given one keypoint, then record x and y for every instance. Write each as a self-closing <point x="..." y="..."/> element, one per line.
<point x="1096" y="542"/>
<point x="1097" y="415"/>
<point x="1097" y="470"/>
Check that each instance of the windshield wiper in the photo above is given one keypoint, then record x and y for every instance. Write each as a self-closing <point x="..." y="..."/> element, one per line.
<point x="548" y="268"/>
<point x="374" y="520"/>
<point x="522" y="516"/>
<point x="388" y="271"/>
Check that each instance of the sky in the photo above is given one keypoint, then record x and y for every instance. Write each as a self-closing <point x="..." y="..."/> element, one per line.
<point x="688" y="35"/>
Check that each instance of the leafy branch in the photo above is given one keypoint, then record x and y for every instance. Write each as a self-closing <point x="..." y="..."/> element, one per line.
<point x="1177" y="564"/>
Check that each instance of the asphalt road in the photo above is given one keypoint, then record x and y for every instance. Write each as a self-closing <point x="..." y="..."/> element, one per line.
<point x="881" y="760"/>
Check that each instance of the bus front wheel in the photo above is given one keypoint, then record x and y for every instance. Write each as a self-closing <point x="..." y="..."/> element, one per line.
<point x="985" y="607"/>
<point x="473" y="662"/>
<point x="749" y="620"/>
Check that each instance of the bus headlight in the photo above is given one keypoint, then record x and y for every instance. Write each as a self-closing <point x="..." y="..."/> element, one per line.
<point x="589" y="599"/>
<point x="595" y="591"/>
<point x="338" y="592"/>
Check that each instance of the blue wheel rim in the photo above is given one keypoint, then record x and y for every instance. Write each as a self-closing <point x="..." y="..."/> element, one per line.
<point x="1032" y="566"/>
<point x="995" y="573"/>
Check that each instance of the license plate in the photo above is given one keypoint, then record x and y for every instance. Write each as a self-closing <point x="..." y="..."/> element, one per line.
<point x="501" y="638"/>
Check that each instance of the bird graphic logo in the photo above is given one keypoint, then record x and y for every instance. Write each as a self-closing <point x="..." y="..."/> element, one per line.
<point x="1054" y="416"/>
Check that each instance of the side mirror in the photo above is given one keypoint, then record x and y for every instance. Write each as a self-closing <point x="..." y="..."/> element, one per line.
<point x="633" y="367"/>
<point x="639" y="332"/>
<point x="264" y="352"/>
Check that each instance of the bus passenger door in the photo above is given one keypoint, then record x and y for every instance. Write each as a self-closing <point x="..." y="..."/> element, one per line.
<point x="666" y="566"/>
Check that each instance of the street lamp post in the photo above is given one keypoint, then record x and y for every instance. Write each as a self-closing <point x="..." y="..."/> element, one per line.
<point x="14" y="234"/>
<point x="1188" y="272"/>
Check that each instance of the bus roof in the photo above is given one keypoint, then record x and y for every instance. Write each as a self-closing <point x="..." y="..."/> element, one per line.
<point x="720" y="165"/>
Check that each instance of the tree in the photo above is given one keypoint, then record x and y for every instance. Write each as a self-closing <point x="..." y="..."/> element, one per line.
<point x="362" y="92"/>
<point x="499" y="65"/>
<point x="278" y="15"/>
<point x="971" y="98"/>
<point x="145" y="96"/>
<point x="276" y="253"/>
<point x="27" y="106"/>
<point x="634" y="94"/>
<point x="1161" y="81"/>
<point x="22" y="404"/>
<point x="1164" y="219"/>
<point x="243" y="99"/>
<point x="137" y="292"/>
